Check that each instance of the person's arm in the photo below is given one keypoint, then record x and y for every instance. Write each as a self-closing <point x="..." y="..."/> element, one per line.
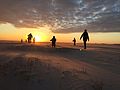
<point x="51" y="40"/>
<point x="81" y="36"/>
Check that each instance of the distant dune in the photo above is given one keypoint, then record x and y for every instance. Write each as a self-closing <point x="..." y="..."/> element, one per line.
<point x="66" y="67"/>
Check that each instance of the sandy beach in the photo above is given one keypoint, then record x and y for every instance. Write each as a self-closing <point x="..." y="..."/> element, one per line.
<point x="66" y="67"/>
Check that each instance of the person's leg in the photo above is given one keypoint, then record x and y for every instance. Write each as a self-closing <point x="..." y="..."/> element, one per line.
<point x="28" y="40"/>
<point x="54" y="44"/>
<point x="84" y="44"/>
<point x="74" y="43"/>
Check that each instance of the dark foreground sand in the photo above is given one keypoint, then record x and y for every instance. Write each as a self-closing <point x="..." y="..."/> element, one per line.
<point x="40" y="67"/>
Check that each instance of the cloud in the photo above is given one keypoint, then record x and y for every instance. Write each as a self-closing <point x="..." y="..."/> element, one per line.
<point x="63" y="16"/>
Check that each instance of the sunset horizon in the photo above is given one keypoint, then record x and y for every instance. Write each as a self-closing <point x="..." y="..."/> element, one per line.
<point x="63" y="19"/>
<point x="44" y="34"/>
<point x="59" y="44"/>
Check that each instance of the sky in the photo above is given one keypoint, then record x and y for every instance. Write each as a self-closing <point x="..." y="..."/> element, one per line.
<point x="67" y="18"/>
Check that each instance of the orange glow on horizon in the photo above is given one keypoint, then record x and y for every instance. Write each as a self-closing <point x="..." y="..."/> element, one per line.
<point x="37" y="38"/>
<point x="44" y="34"/>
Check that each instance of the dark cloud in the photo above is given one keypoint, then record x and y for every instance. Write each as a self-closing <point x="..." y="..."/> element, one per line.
<point x="63" y="15"/>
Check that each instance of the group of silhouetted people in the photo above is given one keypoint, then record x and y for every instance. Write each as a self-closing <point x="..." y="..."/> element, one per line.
<point x="30" y="36"/>
<point x="29" y="39"/>
<point x="84" y="35"/>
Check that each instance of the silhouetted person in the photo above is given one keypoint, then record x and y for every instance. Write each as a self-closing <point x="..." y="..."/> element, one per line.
<point x="29" y="37"/>
<point x="21" y="41"/>
<point x="34" y="40"/>
<point x="53" y="41"/>
<point x="85" y="37"/>
<point x="25" y="40"/>
<point x="74" y="40"/>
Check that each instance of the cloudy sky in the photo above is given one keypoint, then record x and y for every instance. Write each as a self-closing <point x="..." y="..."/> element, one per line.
<point x="62" y="15"/>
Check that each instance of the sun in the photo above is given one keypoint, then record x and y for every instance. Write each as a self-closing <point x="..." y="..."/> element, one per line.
<point x="37" y="38"/>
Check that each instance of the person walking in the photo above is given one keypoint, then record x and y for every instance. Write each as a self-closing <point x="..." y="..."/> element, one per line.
<point x="29" y="37"/>
<point x="53" y="41"/>
<point x="74" y="40"/>
<point x="34" y="40"/>
<point x="85" y="37"/>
